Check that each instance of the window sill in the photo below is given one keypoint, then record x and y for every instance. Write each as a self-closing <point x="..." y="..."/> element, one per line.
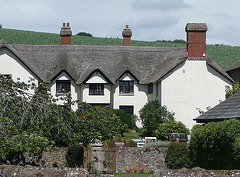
<point x="126" y="94"/>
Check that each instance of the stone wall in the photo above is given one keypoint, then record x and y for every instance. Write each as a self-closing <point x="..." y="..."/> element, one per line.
<point x="31" y="171"/>
<point x="129" y="159"/>
<point x="54" y="158"/>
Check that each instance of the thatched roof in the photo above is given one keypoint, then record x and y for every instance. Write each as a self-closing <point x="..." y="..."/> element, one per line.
<point x="147" y="64"/>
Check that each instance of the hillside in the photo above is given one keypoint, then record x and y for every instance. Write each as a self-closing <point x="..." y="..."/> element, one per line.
<point x="223" y="55"/>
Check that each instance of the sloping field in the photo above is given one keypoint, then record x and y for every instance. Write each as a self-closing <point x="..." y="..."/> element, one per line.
<point x="223" y="55"/>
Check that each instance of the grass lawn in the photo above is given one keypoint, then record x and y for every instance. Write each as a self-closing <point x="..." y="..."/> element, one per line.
<point x="133" y="174"/>
<point x="128" y="136"/>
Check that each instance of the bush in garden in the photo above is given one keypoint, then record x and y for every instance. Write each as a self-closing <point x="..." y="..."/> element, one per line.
<point x="177" y="156"/>
<point x="32" y="123"/>
<point x="216" y="145"/>
<point x="75" y="156"/>
<point x="170" y="127"/>
<point x="13" y="143"/>
<point x="152" y="114"/>
<point x="128" y="121"/>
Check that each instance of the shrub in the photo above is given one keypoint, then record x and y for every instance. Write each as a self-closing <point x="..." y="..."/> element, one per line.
<point x="127" y="120"/>
<point x="231" y="91"/>
<point x="170" y="127"/>
<point x="75" y="156"/>
<point x="177" y="156"/>
<point x="152" y="114"/>
<point x="216" y="145"/>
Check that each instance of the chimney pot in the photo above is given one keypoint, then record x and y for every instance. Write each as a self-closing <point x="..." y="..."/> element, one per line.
<point x="196" y="40"/>
<point x="66" y="34"/>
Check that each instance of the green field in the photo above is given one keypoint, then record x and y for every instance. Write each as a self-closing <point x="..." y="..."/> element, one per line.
<point x="223" y="55"/>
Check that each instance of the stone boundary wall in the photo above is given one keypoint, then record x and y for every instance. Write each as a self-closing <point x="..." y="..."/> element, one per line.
<point x="195" y="172"/>
<point x="31" y="171"/>
<point x="54" y="158"/>
<point x="129" y="159"/>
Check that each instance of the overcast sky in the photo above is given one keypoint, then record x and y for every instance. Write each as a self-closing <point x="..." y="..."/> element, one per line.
<point x="150" y="20"/>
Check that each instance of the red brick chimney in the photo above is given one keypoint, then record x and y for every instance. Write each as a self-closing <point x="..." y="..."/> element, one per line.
<point x="127" y="34"/>
<point x="196" y="40"/>
<point x="66" y="34"/>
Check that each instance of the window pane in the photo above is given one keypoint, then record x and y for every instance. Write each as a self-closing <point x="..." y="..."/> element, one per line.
<point x="63" y="86"/>
<point x="96" y="89"/>
<point x="150" y="88"/>
<point x="127" y="109"/>
<point x="126" y="86"/>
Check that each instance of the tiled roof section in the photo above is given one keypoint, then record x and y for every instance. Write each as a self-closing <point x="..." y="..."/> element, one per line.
<point x="230" y="108"/>
<point x="234" y="66"/>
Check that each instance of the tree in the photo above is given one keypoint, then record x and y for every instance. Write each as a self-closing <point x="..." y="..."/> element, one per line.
<point x="128" y="121"/>
<point x="231" y="91"/>
<point x="170" y="127"/>
<point x="29" y="121"/>
<point x="97" y="123"/>
<point x="152" y="114"/>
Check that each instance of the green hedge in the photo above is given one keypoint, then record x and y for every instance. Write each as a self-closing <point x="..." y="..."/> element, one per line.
<point x="177" y="156"/>
<point x="216" y="145"/>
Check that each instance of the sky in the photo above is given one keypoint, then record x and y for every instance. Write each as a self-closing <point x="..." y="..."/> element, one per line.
<point x="150" y="20"/>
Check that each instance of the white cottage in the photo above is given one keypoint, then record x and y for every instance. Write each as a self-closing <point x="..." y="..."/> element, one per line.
<point x="124" y="77"/>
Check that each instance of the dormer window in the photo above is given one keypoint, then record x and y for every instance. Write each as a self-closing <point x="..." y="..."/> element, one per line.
<point x="126" y="86"/>
<point x="63" y="86"/>
<point x="96" y="89"/>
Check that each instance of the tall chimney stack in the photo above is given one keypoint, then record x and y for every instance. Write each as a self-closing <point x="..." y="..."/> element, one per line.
<point x="196" y="40"/>
<point x="127" y="34"/>
<point x="66" y="34"/>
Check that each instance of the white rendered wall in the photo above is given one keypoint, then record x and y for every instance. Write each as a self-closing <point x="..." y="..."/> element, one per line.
<point x="75" y="91"/>
<point x="190" y="86"/>
<point x="10" y="64"/>
<point x="138" y="99"/>
<point x="96" y="98"/>
<point x="96" y="78"/>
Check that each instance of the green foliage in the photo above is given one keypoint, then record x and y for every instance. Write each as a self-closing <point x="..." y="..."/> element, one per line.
<point x="128" y="121"/>
<point x="177" y="156"/>
<point x="84" y="34"/>
<point x="170" y="127"/>
<point x="216" y="145"/>
<point x="153" y="114"/>
<point x="33" y="122"/>
<point x="231" y="91"/>
<point x="75" y="156"/>
<point x="14" y="143"/>
<point x="223" y="55"/>
<point x="97" y="123"/>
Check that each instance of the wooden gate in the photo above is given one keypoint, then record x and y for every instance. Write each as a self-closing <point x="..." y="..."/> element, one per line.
<point x="100" y="161"/>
